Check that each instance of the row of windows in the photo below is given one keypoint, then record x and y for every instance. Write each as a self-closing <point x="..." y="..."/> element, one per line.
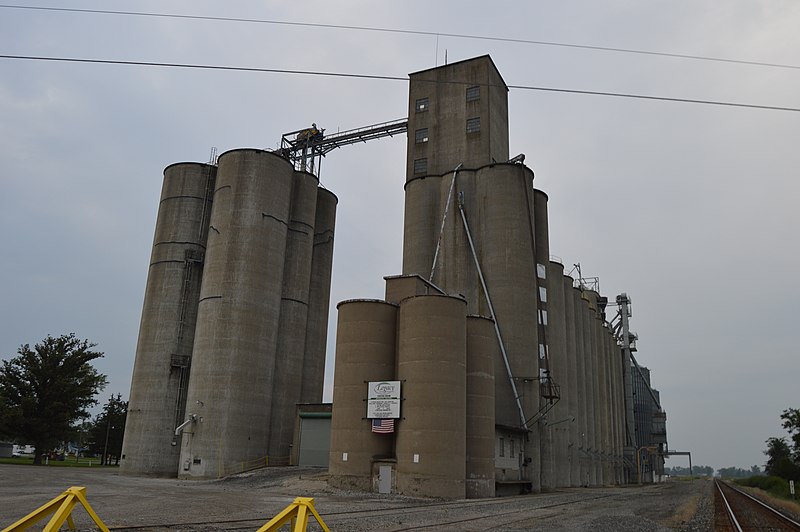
<point x="473" y="126"/>
<point x="473" y="94"/>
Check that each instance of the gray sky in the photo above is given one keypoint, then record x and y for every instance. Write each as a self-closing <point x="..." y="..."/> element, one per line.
<point x="690" y="209"/>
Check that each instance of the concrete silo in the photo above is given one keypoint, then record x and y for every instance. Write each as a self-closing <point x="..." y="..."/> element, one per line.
<point x="570" y="390"/>
<point x="293" y="321"/>
<point x="482" y="351"/>
<point x="366" y="341"/>
<point x="166" y="334"/>
<point x="545" y="388"/>
<point x="590" y="374"/>
<point x="559" y="419"/>
<point x="231" y="383"/>
<point x="431" y="364"/>
<point x="319" y="297"/>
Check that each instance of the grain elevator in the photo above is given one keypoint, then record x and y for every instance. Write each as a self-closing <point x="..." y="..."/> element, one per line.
<point x="511" y="378"/>
<point x="234" y="322"/>
<point x="486" y="369"/>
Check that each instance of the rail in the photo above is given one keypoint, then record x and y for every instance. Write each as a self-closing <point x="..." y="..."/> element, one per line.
<point x="739" y="511"/>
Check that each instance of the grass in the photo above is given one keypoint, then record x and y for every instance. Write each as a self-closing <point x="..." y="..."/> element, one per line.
<point x="68" y="462"/>
<point x="775" y="486"/>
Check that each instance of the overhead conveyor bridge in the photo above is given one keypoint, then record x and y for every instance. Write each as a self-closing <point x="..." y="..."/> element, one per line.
<point x="305" y="148"/>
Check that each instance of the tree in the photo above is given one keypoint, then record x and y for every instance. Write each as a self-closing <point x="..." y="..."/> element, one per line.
<point x="45" y="390"/>
<point x="780" y="462"/>
<point x="736" y="472"/>
<point x="791" y="422"/>
<point x="105" y="435"/>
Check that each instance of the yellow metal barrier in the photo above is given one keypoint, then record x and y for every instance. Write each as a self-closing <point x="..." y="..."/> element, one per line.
<point x="62" y="506"/>
<point x="297" y="513"/>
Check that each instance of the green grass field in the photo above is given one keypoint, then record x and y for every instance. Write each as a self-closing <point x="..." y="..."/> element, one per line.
<point x="68" y="462"/>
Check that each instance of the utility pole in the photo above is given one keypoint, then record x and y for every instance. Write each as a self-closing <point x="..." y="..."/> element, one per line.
<point x="104" y="461"/>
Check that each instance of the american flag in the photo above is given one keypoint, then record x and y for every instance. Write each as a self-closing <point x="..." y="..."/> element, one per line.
<point x="383" y="426"/>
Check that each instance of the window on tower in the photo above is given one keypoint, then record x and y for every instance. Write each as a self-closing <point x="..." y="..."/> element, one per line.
<point x="420" y="166"/>
<point x="473" y="124"/>
<point x="473" y="93"/>
<point x="421" y="135"/>
<point x="422" y="105"/>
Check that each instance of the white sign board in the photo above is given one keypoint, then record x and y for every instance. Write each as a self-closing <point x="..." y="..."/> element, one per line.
<point x="383" y="400"/>
<point x="791" y="487"/>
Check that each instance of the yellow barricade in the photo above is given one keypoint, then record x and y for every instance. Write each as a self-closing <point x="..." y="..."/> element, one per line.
<point x="297" y="513"/>
<point x="62" y="506"/>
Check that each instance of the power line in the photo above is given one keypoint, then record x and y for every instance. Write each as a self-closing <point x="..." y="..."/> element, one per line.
<point x="386" y="78"/>
<point x="404" y="31"/>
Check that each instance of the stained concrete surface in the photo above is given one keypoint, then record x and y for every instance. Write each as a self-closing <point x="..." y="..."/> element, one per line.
<point x="133" y="501"/>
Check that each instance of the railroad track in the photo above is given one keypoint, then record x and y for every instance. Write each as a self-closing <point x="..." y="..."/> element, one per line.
<point x="735" y="510"/>
<point x="486" y="514"/>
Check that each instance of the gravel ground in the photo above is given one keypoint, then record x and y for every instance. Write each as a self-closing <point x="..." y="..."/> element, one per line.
<point x="122" y="501"/>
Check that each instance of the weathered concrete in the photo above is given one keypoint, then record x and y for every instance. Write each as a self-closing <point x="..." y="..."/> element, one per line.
<point x="559" y="419"/>
<point x="366" y="341"/>
<point x="482" y="350"/>
<point x="431" y="364"/>
<point x="166" y="334"/>
<point x="319" y="298"/>
<point x="292" y="325"/>
<point x="571" y="392"/>
<point x="449" y="143"/>
<point x="231" y="383"/>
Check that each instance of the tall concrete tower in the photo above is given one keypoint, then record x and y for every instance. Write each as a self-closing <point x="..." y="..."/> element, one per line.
<point x="471" y="228"/>
<point x="166" y="334"/>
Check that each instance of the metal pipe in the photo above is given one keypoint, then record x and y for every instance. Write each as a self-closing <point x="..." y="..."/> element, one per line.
<point x="444" y="219"/>
<point x="179" y="429"/>
<point x="494" y="318"/>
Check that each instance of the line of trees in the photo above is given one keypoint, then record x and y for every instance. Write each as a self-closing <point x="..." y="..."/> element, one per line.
<point x="708" y="471"/>
<point x="45" y="395"/>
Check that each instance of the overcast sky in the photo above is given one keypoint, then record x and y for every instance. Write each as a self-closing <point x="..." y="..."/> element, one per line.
<point x="690" y="209"/>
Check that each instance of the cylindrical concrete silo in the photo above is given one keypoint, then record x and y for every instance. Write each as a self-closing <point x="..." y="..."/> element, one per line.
<point x="421" y="225"/>
<point x="290" y="351"/>
<point x="597" y="388"/>
<point x="319" y="298"/>
<point x="366" y="342"/>
<point x="482" y="350"/>
<point x="558" y="419"/>
<point x="231" y="383"/>
<point x="166" y="334"/>
<point x="431" y="438"/>
<point x="604" y="397"/>
<point x="597" y="391"/>
<point x="546" y="393"/>
<point x="507" y="254"/>
<point x="583" y="387"/>
<point x="591" y="386"/>
<point x="569" y="389"/>
<point x="455" y="270"/>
